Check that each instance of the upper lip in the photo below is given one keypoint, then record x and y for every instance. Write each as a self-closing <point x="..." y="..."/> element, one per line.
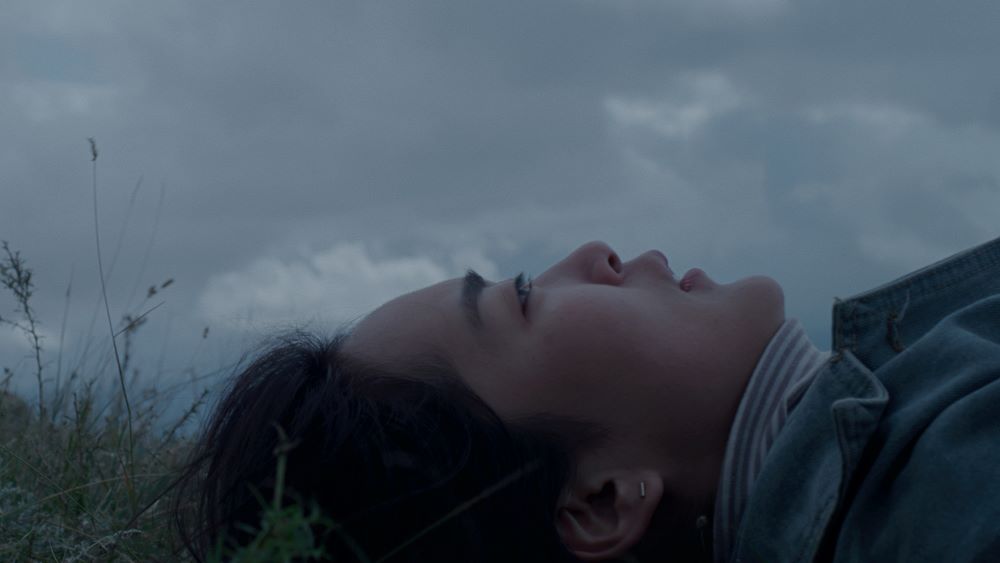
<point x="666" y="262"/>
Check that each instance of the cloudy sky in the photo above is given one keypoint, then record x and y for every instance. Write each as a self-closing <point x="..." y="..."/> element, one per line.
<point x="300" y="163"/>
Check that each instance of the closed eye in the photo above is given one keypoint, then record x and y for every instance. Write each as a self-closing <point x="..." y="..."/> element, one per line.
<point x="523" y="291"/>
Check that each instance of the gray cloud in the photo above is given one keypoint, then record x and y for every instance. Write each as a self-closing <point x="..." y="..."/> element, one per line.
<point x="333" y="286"/>
<point x="831" y="146"/>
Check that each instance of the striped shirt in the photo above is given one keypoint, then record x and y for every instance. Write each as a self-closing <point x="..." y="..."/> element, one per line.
<point x="783" y="374"/>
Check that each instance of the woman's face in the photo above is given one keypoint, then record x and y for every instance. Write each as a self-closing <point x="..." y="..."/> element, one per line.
<point x="619" y="344"/>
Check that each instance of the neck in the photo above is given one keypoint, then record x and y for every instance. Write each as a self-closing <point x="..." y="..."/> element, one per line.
<point x="697" y="448"/>
<point x="700" y="469"/>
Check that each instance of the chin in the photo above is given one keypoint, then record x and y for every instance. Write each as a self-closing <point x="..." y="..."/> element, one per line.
<point x="775" y="294"/>
<point x="765" y="296"/>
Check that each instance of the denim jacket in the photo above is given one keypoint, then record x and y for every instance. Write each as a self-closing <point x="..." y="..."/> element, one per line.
<point x="893" y="454"/>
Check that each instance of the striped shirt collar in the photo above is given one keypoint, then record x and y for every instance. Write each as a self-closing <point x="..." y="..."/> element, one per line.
<point x="783" y="374"/>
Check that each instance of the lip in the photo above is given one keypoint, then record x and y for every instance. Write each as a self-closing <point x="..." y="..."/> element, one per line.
<point x="695" y="277"/>
<point x="665" y="261"/>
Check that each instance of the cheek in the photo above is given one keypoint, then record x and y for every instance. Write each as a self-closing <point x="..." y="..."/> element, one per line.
<point x="578" y="322"/>
<point x="579" y="342"/>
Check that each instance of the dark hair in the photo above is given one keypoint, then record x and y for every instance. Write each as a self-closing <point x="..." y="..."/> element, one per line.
<point x="384" y="454"/>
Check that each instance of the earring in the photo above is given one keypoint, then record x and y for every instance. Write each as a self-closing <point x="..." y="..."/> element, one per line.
<point x="701" y="523"/>
<point x="642" y="489"/>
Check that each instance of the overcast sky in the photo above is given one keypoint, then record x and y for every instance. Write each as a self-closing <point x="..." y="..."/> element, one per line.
<point x="302" y="162"/>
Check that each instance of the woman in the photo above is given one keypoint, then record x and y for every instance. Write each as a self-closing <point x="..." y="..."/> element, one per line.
<point x="604" y="410"/>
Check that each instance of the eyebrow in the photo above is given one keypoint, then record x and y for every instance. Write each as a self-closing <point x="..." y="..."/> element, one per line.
<point x="472" y="287"/>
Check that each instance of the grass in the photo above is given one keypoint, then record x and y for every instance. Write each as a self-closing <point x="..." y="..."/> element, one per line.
<point x="73" y="486"/>
<point x="85" y="478"/>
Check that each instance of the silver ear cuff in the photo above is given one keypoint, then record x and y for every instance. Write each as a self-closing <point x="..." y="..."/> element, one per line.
<point x="701" y="523"/>
<point x="642" y="489"/>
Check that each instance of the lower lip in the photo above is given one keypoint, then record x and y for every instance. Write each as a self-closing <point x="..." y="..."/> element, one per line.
<point x="695" y="277"/>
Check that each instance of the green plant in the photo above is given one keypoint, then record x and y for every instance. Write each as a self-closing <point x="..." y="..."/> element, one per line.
<point x="287" y="532"/>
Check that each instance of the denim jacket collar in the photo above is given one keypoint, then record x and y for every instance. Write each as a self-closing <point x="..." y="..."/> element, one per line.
<point x="878" y="324"/>
<point x="818" y="454"/>
<point x="824" y="438"/>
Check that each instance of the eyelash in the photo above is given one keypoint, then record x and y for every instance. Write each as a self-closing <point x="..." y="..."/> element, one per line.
<point x="523" y="290"/>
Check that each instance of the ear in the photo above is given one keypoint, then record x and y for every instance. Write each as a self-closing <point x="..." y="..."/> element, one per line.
<point x="603" y="515"/>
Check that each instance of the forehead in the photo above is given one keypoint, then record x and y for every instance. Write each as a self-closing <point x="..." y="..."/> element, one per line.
<point x="431" y="321"/>
<point x="412" y="324"/>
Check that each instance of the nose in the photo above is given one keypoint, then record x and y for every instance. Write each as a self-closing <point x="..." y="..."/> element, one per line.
<point x="593" y="262"/>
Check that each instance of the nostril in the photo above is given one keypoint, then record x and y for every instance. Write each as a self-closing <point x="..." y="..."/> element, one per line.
<point x="615" y="263"/>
